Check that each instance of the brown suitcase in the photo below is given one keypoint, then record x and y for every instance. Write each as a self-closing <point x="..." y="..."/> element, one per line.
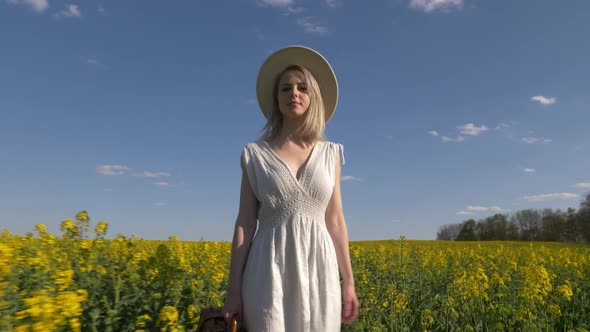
<point x="211" y="320"/>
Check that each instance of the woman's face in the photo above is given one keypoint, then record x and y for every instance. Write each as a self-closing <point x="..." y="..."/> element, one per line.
<point x="293" y="94"/>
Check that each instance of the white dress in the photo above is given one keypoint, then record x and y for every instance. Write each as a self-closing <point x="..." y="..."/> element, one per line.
<point x="291" y="281"/>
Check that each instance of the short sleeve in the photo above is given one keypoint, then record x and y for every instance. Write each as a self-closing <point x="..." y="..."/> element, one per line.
<point x="247" y="165"/>
<point x="332" y="161"/>
<point x="244" y="158"/>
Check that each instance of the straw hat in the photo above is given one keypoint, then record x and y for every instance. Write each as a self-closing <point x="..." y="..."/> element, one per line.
<point x="305" y="57"/>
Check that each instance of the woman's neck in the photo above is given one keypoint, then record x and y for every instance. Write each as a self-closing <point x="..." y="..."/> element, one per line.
<point x="291" y="131"/>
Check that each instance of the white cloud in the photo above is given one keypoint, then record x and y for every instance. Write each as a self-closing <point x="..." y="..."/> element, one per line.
<point x="529" y="170"/>
<point x="533" y="140"/>
<point x="502" y="126"/>
<point x="94" y="61"/>
<point x="276" y="3"/>
<point x="350" y="178"/>
<point x="70" y="11"/>
<point x="432" y="5"/>
<point x="547" y="197"/>
<point x="148" y="174"/>
<point x="450" y="139"/>
<point x="295" y="10"/>
<point x="331" y="3"/>
<point x="471" y="129"/>
<point x="101" y="9"/>
<point x="544" y="100"/>
<point x="583" y="185"/>
<point x="472" y="208"/>
<point x="287" y="6"/>
<point x="111" y="169"/>
<point x="162" y="184"/>
<point x="37" y="5"/>
<point x="311" y="28"/>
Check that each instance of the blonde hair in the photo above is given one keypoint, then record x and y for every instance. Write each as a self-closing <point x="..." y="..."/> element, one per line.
<point x="315" y="119"/>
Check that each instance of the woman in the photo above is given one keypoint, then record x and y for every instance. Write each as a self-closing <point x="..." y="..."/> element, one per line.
<point x="285" y="277"/>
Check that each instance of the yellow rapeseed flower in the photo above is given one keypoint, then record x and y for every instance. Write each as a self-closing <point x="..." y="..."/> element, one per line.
<point x="566" y="291"/>
<point x="168" y="318"/>
<point x="75" y="324"/>
<point x="554" y="309"/>
<point x="66" y="225"/>
<point x="63" y="278"/>
<point x="141" y="321"/>
<point x="23" y="328"/>
<point x="82" y="216"/>
<point x="101" y="228"/>
<point x="41" y="228"/>
<point x="426" y="319"/>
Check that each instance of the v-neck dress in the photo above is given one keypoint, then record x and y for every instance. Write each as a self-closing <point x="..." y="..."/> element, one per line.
<point x="291" y="281"/>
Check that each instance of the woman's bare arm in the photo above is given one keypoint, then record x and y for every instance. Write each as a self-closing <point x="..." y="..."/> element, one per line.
<point x="338" y="232"/>
<point x="243" y="233"/>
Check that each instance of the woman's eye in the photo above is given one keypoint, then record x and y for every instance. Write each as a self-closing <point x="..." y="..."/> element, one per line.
<point x="303" y="88"/>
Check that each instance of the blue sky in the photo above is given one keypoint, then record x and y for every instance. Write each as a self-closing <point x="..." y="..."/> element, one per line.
<point x="137" y="111"/>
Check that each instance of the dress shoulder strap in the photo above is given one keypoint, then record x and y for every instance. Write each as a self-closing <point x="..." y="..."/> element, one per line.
<point x="341" y="148"/>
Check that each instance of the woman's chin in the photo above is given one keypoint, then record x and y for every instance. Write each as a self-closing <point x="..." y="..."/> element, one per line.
<point x="296" y="116"/>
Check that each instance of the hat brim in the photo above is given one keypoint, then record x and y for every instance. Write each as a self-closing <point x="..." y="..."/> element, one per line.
<point x="307" y="58"/>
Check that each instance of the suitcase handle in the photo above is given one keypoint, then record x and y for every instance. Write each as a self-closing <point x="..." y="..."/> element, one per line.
<point x="234" y="324"/>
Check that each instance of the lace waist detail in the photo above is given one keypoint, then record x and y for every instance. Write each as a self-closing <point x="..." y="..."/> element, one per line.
<point x="297" y="204"/>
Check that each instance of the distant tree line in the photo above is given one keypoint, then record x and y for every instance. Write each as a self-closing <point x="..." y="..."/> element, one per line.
<point x="525" y="225"/>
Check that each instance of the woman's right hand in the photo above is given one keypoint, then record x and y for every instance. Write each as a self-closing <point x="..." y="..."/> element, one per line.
<point x="233" y="307"/>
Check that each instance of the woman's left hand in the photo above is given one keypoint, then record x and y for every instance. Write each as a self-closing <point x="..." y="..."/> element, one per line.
<point x="350" y="303"/>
